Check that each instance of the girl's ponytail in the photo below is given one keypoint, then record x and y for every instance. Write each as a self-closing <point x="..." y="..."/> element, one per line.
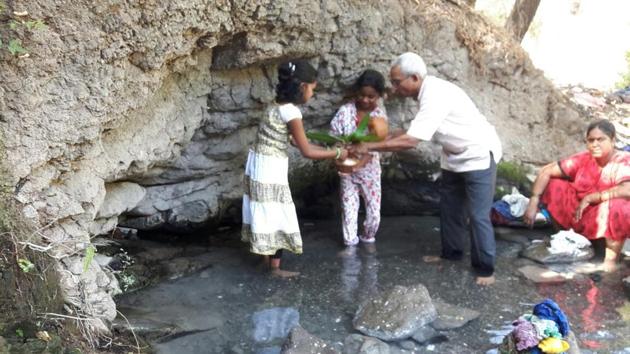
<point x="290" y="75"/>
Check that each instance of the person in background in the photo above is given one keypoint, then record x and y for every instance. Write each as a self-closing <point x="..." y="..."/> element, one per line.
<point x="269" y="219"/>
<point x="589" y="192"/>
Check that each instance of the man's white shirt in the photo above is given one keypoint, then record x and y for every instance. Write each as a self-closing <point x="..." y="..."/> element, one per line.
<point x="448" y="117"/>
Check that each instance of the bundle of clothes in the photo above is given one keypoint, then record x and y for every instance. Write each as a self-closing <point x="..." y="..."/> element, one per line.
<point x="543" y="331"/>
<point x="509" y="211"/>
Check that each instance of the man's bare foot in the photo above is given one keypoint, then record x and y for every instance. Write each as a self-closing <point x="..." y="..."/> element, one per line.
<point x="281" y="273"/>
<point x="432" y="259"/>
<point x="485" y="281"/>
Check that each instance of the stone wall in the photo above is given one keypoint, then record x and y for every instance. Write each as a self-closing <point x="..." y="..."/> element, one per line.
<point x="145" y="109"/>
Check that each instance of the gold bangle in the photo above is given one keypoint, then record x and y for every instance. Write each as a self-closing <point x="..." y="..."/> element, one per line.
<point x="338" y="154"/>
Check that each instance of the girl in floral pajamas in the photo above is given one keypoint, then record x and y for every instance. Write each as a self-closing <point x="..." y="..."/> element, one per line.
<point x="365" y="180"/>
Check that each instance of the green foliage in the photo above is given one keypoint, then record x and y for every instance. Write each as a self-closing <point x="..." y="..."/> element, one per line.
<point x="19" y="31"/>
<point x="15" y="47"/>
<point x="26" y="265"/>
<point x="89" y="256"/>
<point x="19" y="332"/>
<point x="513" y="172"/>
<point x="358" y="136"/>
<point x="625" y="77"/>
<point x="34" y="25"/>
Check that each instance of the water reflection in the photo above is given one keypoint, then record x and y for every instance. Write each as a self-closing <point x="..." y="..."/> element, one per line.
<point x="359" y="272"/>
<point x="590" y="304"/>
<point x="274" y="323"/>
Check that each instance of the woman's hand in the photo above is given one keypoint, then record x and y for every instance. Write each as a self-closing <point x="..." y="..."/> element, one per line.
<point x="530" y="213"/>
<point x="344" y="154"/>
<point x="588" y="199"/>
<point x="358" y="150"/>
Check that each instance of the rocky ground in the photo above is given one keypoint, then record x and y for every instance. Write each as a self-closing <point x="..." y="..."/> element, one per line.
<point x="228" y="305"/>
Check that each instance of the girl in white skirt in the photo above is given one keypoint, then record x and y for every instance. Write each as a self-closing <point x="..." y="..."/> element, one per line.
<point x="269" y="219"/>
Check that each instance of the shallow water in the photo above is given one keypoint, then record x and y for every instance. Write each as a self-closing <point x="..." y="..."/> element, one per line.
<point x="234" y="307"/>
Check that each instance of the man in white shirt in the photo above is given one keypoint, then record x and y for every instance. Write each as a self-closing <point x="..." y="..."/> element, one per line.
<point x="470" y="151"/>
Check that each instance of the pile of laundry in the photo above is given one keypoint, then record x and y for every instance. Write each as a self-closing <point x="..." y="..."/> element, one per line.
<point x="509" y="211"/>
<point x="546" y="330"/>
<point x="569" y="243"/>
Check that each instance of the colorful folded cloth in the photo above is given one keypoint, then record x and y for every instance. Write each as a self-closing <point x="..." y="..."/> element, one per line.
<point x="524" y="334"/>
<point x="553" y="345"/>
<point x="548" y="309"/>
<point x="544" y="327"/>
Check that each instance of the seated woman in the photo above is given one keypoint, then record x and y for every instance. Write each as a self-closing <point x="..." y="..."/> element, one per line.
<point x="589" y="192"/>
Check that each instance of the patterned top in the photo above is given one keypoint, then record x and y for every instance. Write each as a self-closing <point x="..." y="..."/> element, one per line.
<point x="346" y="121"/>
<point x="273" y="132"/>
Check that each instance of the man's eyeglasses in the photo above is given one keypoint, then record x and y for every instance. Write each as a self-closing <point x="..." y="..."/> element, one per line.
<point x="396" y="82"/>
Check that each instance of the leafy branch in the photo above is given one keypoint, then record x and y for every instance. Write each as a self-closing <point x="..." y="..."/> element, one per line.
<point x="360" y="135"/>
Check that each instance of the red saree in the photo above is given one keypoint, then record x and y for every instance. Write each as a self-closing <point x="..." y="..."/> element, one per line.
<point x="610" y="219"/>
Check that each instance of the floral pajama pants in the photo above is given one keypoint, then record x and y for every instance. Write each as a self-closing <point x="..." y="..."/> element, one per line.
<point x="365" y="183"/>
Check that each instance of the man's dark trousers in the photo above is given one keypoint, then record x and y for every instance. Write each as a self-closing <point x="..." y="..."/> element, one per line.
<point x="469" y="196"/>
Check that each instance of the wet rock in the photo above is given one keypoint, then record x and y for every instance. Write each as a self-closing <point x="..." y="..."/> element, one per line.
<point x="407" y="345"/>
<point x="396" y="314"/>
<point x="425" y="334"/>
<point x="574" y="348"/>
<point x="451" y="316"/>
<point x="626" y="286"/>
<point x="539" y="274"/>
<point x="511" y="235"/>
<point x="274" y="323"/>
<point x="302" y="342"/>
<point x="358" y="344"/>
<point x="539" y="253"/>
<point x="3" y="345"/>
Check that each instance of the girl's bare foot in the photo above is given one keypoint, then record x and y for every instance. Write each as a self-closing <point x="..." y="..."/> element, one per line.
<point x="609" y="266"/>
<point x="432" y="259"/>
<point x="264" y="263"/>
<point x="485" y="281"/>
<point x="281" y="273"/>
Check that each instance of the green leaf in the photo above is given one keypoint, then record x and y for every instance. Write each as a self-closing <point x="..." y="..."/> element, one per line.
<point x="13" y="25"/>
<point x="369" y="138"/>
<point x="15" y="47"/>
<point x="324" y="138"/>
<point x="89" y="256"/>
<point x="35" y="25"/>
<point x="362" y="127"/>
<point x="25" y="265"/>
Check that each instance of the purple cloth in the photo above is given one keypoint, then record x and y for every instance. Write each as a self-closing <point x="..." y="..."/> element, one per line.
<point x="548" y="309"/>
<point x="524" y="334"/>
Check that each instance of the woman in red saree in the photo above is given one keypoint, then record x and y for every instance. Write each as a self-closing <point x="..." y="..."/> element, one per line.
<point x="589" y="192"/>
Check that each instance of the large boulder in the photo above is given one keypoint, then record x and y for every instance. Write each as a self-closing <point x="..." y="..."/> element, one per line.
<point x="302" y="342"/>
<point x="396" y="313"/>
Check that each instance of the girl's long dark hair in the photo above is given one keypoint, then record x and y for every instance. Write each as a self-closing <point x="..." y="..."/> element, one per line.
<point x="291" y="75"/>
<point x="371" y="78"/>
